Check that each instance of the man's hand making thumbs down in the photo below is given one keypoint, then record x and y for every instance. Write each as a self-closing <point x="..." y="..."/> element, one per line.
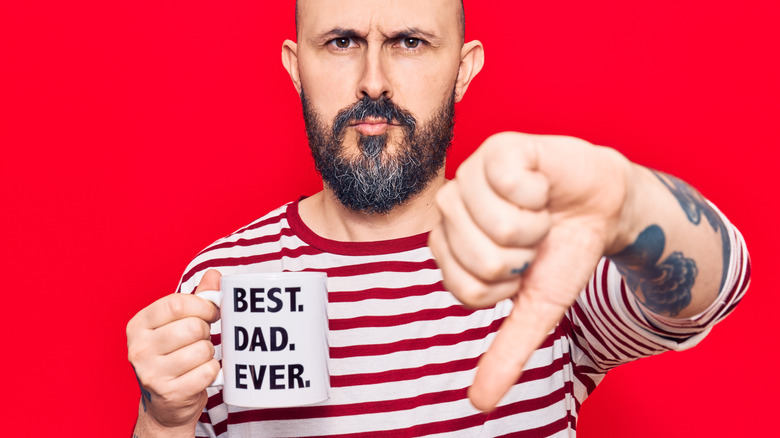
<point x="526" y="218"/>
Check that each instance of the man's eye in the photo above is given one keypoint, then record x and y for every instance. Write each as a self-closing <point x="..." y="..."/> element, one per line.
<point x="341" y="43"/>
<point x="411" y="43"/>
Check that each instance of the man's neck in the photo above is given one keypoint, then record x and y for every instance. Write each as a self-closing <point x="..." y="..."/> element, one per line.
<point x="327" y="217"/>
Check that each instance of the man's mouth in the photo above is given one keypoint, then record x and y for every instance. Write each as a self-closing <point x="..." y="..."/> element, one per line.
<point x="372" y="126"/>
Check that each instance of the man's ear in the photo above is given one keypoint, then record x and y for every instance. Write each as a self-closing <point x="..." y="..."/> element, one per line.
<point x="472" y="58"/>
<point x="290" y="62"/>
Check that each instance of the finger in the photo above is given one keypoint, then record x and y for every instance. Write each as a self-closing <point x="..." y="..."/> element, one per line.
<point x="472" y="248"/>
<point x="199" y="378"/>
<point x="174" y="307"/>
<point x="179" y="334"/>
<point x="541" y="302"/>
<point x="177" y="306"/>
<point x="209" y="281"/>
<point x="511" y="168"/>
<point x="521" y="333"/>
<point x="187" y="385"/>
<point x="507" y="222"/>
<point x="469" y="290"/>
<point x="185" y="359"/>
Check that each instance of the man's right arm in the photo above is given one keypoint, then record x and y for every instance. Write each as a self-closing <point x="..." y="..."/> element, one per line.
<point x="169" y="346"/>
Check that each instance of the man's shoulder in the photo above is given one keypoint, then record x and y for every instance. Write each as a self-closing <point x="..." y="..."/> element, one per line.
<point x="241" y="247"/>
<point x="270" y="223"/>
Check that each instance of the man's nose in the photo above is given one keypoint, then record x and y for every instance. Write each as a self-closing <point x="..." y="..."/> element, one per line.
<point x="374" y="81"/>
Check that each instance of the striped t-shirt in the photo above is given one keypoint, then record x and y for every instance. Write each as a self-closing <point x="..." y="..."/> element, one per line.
<point x="403" y="351"/>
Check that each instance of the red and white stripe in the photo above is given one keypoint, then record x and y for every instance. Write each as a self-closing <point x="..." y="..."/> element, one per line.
<point x="403" y="351"/>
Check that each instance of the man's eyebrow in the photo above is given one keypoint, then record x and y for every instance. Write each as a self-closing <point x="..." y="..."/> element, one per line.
<point x="338" y="32"/>
<point x="410" y="32"/>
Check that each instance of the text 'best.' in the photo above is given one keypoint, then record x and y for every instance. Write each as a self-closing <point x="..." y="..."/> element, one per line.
<point x="258" y="300"/>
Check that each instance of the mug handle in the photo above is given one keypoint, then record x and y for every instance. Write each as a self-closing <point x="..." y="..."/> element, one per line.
<point x="215" y="297"/>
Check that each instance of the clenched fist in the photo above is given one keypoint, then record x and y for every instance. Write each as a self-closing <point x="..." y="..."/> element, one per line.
<point x="528" y="218"/>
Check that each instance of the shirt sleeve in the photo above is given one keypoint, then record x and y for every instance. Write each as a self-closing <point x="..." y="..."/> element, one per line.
<point x="609" y="327"/>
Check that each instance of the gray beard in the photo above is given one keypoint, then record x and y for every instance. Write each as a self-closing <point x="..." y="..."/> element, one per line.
<point x="377" y="181"/>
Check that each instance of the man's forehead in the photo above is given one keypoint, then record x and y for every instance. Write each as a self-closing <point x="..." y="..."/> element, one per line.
<point x="314" y="17"/>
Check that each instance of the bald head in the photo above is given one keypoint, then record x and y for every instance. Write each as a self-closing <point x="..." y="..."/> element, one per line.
<point x="461" y="17"/>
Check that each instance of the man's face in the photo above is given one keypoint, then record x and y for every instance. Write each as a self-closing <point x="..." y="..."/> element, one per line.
<point x="377" y="81"/>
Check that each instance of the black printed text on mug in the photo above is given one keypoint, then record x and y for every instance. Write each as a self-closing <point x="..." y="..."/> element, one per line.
<point x="274" y="349"/>
<point x="255" y="300"/>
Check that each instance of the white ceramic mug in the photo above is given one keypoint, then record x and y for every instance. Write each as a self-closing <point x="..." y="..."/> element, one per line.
<point x="274" y="338"/>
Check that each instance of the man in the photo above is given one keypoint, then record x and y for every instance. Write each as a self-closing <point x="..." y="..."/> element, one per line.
<point x="583" y="259"/>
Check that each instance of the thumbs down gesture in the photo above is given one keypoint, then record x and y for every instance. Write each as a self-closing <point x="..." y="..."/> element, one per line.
<point x="527" y="218"/>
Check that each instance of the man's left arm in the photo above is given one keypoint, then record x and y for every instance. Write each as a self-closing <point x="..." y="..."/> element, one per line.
<point x="675" y="254"/>
<point x="529" y="217"/>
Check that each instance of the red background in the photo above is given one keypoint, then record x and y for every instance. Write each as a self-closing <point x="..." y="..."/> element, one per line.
<point x="135" y="133"/>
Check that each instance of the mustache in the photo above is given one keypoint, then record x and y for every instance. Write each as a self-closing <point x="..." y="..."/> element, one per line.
<point x="382" y="108"/>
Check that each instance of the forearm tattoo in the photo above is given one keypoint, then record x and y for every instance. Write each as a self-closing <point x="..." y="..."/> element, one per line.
<point x="695" y="206"/>
<point x="665" y="286"/>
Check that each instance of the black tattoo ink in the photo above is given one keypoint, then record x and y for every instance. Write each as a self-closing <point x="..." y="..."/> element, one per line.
<point x="691" y="201"/>
<point x="665" y="287"/>
<point x="145" y="394"/>
<point x="695" y="206"/>
<point x="519" y="271"/>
